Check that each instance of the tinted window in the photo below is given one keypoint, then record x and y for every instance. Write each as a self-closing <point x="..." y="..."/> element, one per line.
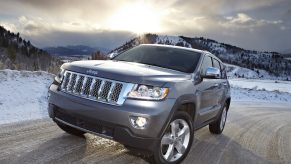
<point x="207" y="62"/>
<point x="166" y="57"/>
<point x="216" y="64"/>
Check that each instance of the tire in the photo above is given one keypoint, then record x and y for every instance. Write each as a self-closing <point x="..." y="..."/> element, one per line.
<point x="71" y="130"/>
<point x="218" y="126"/>
<point x="176" y="141"/>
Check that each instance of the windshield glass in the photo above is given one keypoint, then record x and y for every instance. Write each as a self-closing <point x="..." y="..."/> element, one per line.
<point x="165" y="57"/>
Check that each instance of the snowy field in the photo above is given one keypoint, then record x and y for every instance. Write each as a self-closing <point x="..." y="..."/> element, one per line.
<point x="23" y="94"/>
<point x="234" y="71"/>
<point x="256" y="84"/>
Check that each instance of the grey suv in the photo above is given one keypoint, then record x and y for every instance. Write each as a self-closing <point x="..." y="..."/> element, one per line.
<point x="150" y="98"/>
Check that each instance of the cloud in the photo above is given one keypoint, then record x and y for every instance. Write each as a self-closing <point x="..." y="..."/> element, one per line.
<point x="249" y="24"/>
<point x="242" y="20"/>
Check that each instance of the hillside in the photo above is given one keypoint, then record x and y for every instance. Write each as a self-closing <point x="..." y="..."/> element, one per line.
<point x="74" y="50"/>
<point x="17" y="53"/>
<point x="268" y="63"/>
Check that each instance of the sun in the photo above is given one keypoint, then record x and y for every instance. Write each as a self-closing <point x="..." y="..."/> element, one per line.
<point x="138" y="18"/>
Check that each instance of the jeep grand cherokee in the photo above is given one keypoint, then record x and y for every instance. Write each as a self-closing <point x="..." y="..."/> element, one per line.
<point x="151" y="98"/>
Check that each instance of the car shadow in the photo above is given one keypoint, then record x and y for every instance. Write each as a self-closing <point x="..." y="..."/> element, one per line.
<point x="64" y="148"/>
<point x="208" y="148"/>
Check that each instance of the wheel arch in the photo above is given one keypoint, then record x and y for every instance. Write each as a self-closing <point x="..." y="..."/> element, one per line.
<point x="227" y="101"/>
<point x="186" y="103"/>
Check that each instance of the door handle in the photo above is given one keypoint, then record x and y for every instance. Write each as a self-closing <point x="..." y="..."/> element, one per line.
<point x="216" y="85"/>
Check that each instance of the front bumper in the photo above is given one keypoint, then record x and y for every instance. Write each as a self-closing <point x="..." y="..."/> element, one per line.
<point x="112" y="121"/>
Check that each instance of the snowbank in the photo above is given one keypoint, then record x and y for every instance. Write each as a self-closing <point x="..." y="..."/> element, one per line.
<point x="23" y="95"/>
<point x="257" y="84"/>
<point x="255" y="95"/>
<point x="234" y="71"/>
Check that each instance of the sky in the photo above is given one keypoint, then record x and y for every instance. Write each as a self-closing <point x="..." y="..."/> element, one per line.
<point x="263" y="25"/>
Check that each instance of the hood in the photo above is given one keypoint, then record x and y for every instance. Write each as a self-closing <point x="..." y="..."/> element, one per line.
<point x="127" y="72"/>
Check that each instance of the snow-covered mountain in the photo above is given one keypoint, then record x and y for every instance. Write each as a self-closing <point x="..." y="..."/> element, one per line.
<point x="234" y="71"/>
<point x="265" y="64"/>
<point x="74" y="50"/>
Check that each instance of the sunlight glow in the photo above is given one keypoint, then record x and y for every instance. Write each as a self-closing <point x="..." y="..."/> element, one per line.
<point x="137" y="18"/>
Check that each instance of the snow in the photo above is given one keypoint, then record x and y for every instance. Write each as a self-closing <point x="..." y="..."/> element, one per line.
<point x="234" y="71"/>
<point x="257" y="84"/>
<point x="172" y="40"/>
<point x="254" y="95"/>
<point x="217" y="47"/>
<point x="23" y="95"/>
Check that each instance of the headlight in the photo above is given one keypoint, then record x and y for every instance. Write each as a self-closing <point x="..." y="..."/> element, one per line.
<point x="60" y="76"/>
<point x="146" y="92"/>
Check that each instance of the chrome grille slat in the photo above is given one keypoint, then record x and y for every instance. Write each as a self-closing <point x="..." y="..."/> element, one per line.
<point x="110" y="91"/>
<point x="94" y="88"/>
<point x="65" y="80"/>
<point x="69" y="81"/>
<point x="91" y="87"/>
<point x="100" y="89"/>
<point x="104" y="90"/>
<point x="84" y="85"/>
<point x="74" y="88"/>
<point x="116" y="92"/>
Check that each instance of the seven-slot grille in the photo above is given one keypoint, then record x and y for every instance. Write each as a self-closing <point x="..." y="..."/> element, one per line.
<point x="93" y="88"/>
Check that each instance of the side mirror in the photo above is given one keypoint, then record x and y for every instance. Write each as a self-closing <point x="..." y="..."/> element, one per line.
<point x="112" y="55"/>
<point x="212" y="73"/>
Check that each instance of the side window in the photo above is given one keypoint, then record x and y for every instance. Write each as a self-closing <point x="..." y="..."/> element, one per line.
<point x="216" y="64"/>
<point x="207" y="62"/>
<point x="223" y="71"/>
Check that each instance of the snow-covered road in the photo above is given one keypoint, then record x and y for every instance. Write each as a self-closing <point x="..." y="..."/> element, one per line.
<point x="255" y="133"/>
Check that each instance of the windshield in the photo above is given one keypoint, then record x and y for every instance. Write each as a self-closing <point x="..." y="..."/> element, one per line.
<point x="165" y="57"/>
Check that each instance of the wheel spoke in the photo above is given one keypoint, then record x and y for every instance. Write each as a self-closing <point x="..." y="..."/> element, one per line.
<point x="174" y="127"/>
<point x="167" y="139"/>
<point x="183" y="132"/>
<point x="180" y="147"/>
<point x="170" y="152"/>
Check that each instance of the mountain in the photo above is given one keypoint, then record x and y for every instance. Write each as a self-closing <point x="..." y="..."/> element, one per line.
<point x="17" y="53"/>
<point x="74" y="50"/>
<point x="271" y="62"/>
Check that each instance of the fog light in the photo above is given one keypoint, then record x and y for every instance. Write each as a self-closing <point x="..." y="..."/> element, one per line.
<point x="138" y="122"/>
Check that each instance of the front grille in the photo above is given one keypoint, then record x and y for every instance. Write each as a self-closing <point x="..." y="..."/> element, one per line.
<point x="94" y="88"/>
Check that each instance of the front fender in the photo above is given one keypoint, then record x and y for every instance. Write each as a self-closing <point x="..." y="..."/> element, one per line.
<point x="184" y="99"/>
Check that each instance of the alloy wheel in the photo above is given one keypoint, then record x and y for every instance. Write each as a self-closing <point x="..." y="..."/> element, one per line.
<point x="176" y="140"/>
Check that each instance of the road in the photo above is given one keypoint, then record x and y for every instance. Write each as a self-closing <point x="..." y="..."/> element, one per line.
<point x="255" y="133"/>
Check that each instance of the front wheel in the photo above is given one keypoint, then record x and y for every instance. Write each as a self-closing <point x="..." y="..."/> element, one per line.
<point x="218" y="126"/>
<point x="176" y="142"/>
